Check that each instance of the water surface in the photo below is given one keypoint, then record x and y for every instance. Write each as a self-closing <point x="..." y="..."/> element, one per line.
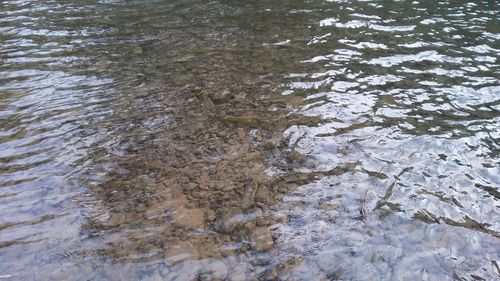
<point x="243" y="140"/>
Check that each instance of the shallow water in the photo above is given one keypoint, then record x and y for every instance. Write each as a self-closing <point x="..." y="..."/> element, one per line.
<point x="243" y="140"/>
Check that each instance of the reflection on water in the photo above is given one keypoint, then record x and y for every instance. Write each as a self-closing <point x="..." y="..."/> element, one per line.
<point x="334" y="140"/>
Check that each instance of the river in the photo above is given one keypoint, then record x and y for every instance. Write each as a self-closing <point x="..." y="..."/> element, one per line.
<point x="249" y="140"/>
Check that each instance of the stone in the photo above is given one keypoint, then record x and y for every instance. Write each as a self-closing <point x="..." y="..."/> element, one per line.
<point x="250" y="225"/>
<point x="229" y="219"/>
<point x="220" y="97"/>
<point x="249" y="190"/>
<point x="191" y="186"/>
<point x="211" y="215"/>
<point x="262" y="194"/>
<point x="261" y="239"/>
<point x="226" y="222"/>
<point x="264" y="222"/>
<point x="218" y="270"/>
<point x="184" y="216"/>
<point x="228" y="188"/>
<point x="187" y="271"/>
<point x="239" y="271"/>
<point x="261" y="260"/>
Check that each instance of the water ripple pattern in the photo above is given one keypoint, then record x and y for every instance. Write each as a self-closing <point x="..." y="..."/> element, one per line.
<point x="249" y="140"/>
<point x="411" y="101"/>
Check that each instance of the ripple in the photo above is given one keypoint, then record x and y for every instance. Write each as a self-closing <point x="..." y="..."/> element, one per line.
<point x="352" y="140"/>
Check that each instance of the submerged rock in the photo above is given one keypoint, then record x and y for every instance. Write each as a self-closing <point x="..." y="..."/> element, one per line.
<point x="229" y="219"/>
<point x="247" y="199"/>
<point x="239" y="271"/>
<point x="220" y="97"/>
<point x="261" y="239"/>
<point x="218" y="271"/>
<point x="211" y="216"/>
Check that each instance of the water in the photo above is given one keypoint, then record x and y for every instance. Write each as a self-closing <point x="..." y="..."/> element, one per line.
<point x="318" y="140"/>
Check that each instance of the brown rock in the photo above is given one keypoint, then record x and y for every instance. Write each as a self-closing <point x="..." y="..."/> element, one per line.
<point x="247" y="198"/>
<point x="229" y="219"/>
<point x="239" y="271"/>
<point x="211" y="215"/>
<point x="220" y="97"/>
<point x="262" y="194"/>
<point x="261" y="239"/>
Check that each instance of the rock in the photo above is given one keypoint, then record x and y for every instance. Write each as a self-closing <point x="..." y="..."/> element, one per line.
<point x="207" y="104"/>
<point x="191" y="186"/>
<point x="218" y="270"/>
<point x="262" y="207"/>
<point x="238" y="273"/>
<point x="229" y="219"/>
<point x="184" y="216"/>
<point x="187" y="271"/>
<point x="262" y="194"/>
<point x="180" y="252"/>
<point x="271" y="274"/>
<point x="227" y="252"/>
<point x="264" y="222"/>
<point x="261" y="239"/>
<point x="261" y="260"/>
<point x="198" y="195"/>
<point x="220" y="97"/>
<point x="250" y="226"/>
<point x="211" y="215"/>
<point x="249" y="191"/>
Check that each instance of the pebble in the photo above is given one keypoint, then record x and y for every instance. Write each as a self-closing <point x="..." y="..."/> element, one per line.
<point x="264" y="222"/>
<point x="220" y="97"/>
<point x="261" y="239"/>
<point x="262" y="194"/>
<point x="191" y="186"/>
<point x="239" y="271"/>
<point x="249" y="191"/>
<point x="261" y="260"/>
<point x="211" y="216"/>
<point x="218" y="270"/>
<point x="227" y="220"/>
<point x="250" y="225"/>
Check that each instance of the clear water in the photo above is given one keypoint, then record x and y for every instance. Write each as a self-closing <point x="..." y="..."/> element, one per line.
<point x="243" y="140"/>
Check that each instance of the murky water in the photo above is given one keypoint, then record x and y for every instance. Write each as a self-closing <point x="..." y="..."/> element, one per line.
<point x="243" y="140"/>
